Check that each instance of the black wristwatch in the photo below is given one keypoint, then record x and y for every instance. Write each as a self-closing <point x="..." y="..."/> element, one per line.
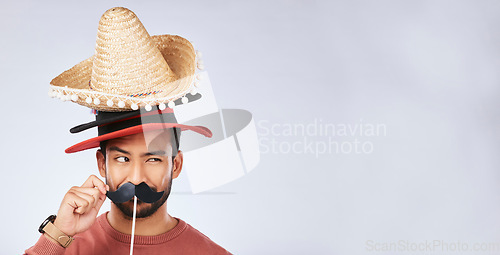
<point x="56" y="234"/>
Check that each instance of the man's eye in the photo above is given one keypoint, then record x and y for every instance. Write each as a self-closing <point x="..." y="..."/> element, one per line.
<point x="122" y="159"/>
<point x="154" y="160"/>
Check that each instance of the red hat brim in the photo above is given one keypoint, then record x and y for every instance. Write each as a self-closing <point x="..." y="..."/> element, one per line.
<point x="94" y="142"/>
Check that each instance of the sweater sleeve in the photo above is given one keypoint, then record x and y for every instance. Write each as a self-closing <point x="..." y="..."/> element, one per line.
<point x="45" y="247"/>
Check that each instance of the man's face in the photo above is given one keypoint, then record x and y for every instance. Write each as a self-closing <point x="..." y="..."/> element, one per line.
<point x="144" y="157"/>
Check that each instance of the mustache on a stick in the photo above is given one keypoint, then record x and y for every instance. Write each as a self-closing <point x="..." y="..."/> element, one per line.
<point x="127" y="191"/>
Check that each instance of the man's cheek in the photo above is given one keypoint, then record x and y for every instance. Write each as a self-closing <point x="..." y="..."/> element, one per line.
<point x="116" y="175"/>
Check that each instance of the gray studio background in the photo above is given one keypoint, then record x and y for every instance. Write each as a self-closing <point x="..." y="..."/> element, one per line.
<point x="427" y="72"/>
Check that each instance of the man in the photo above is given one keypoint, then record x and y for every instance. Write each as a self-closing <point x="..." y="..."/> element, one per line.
<point x="129" y="82"/>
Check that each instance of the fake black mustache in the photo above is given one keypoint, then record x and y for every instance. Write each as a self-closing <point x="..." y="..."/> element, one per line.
<point x="127" y="191"/>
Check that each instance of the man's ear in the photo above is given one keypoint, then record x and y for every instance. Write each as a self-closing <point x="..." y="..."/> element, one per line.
<point x="101" y="163"/>
<point x="177" y="164"/>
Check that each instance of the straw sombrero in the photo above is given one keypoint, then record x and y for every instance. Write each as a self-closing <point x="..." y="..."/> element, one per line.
<point x="130" y="69"/>
<point x="130" y="80"/>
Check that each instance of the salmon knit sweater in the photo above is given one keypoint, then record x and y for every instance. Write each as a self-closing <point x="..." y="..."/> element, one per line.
<point x="101" y="238"/>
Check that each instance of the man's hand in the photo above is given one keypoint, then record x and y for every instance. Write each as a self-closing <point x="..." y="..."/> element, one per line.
<point x="80" y="206"/>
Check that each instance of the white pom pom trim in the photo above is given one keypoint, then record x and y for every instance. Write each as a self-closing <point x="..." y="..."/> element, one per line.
<point x="134" y="106"/>
<point x="171" y="104"/>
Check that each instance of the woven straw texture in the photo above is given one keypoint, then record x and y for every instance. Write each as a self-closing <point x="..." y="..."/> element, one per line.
<point x="129" y="67"/>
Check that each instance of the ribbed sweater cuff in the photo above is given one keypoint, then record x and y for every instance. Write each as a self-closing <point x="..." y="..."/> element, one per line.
<point x="45" y="246"/>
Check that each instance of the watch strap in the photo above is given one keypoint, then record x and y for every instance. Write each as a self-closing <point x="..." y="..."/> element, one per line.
<point x="56" y="234"/>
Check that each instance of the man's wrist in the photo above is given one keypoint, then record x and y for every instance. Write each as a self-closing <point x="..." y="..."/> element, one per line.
<point x="57" y="225"/>
<point x="53" y="233"/>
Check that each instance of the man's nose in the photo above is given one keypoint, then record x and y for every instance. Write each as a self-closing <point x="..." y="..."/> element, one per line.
<point x="137" y="174"/>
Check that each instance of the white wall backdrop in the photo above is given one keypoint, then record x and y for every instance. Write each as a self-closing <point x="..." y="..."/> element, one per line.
<point x="379" y="121"/>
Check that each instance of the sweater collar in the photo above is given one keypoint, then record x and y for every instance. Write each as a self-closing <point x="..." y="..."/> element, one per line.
<point x="148" y="240"/>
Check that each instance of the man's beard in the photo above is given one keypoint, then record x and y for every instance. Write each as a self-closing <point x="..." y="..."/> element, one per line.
<point x="150" y="210"/>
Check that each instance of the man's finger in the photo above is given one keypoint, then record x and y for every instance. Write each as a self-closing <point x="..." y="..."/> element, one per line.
<point x="93" y="181"/>
<point x="90" y="191"/>
<point x="91" y="198"/>
<point x="79" y="204"/>
<point x="101" y="200"/>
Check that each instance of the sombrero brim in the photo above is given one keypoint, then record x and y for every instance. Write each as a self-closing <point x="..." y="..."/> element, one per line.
<point x="73" y="84"/>
<point x="94" y="142"/>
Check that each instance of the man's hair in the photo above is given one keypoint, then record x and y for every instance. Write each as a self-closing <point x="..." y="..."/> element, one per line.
<point x="175" y="141"/>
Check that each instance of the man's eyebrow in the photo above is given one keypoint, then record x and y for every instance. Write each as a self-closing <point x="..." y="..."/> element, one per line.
<point x="114" y="148"/>
<point x="157" y="153"/>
